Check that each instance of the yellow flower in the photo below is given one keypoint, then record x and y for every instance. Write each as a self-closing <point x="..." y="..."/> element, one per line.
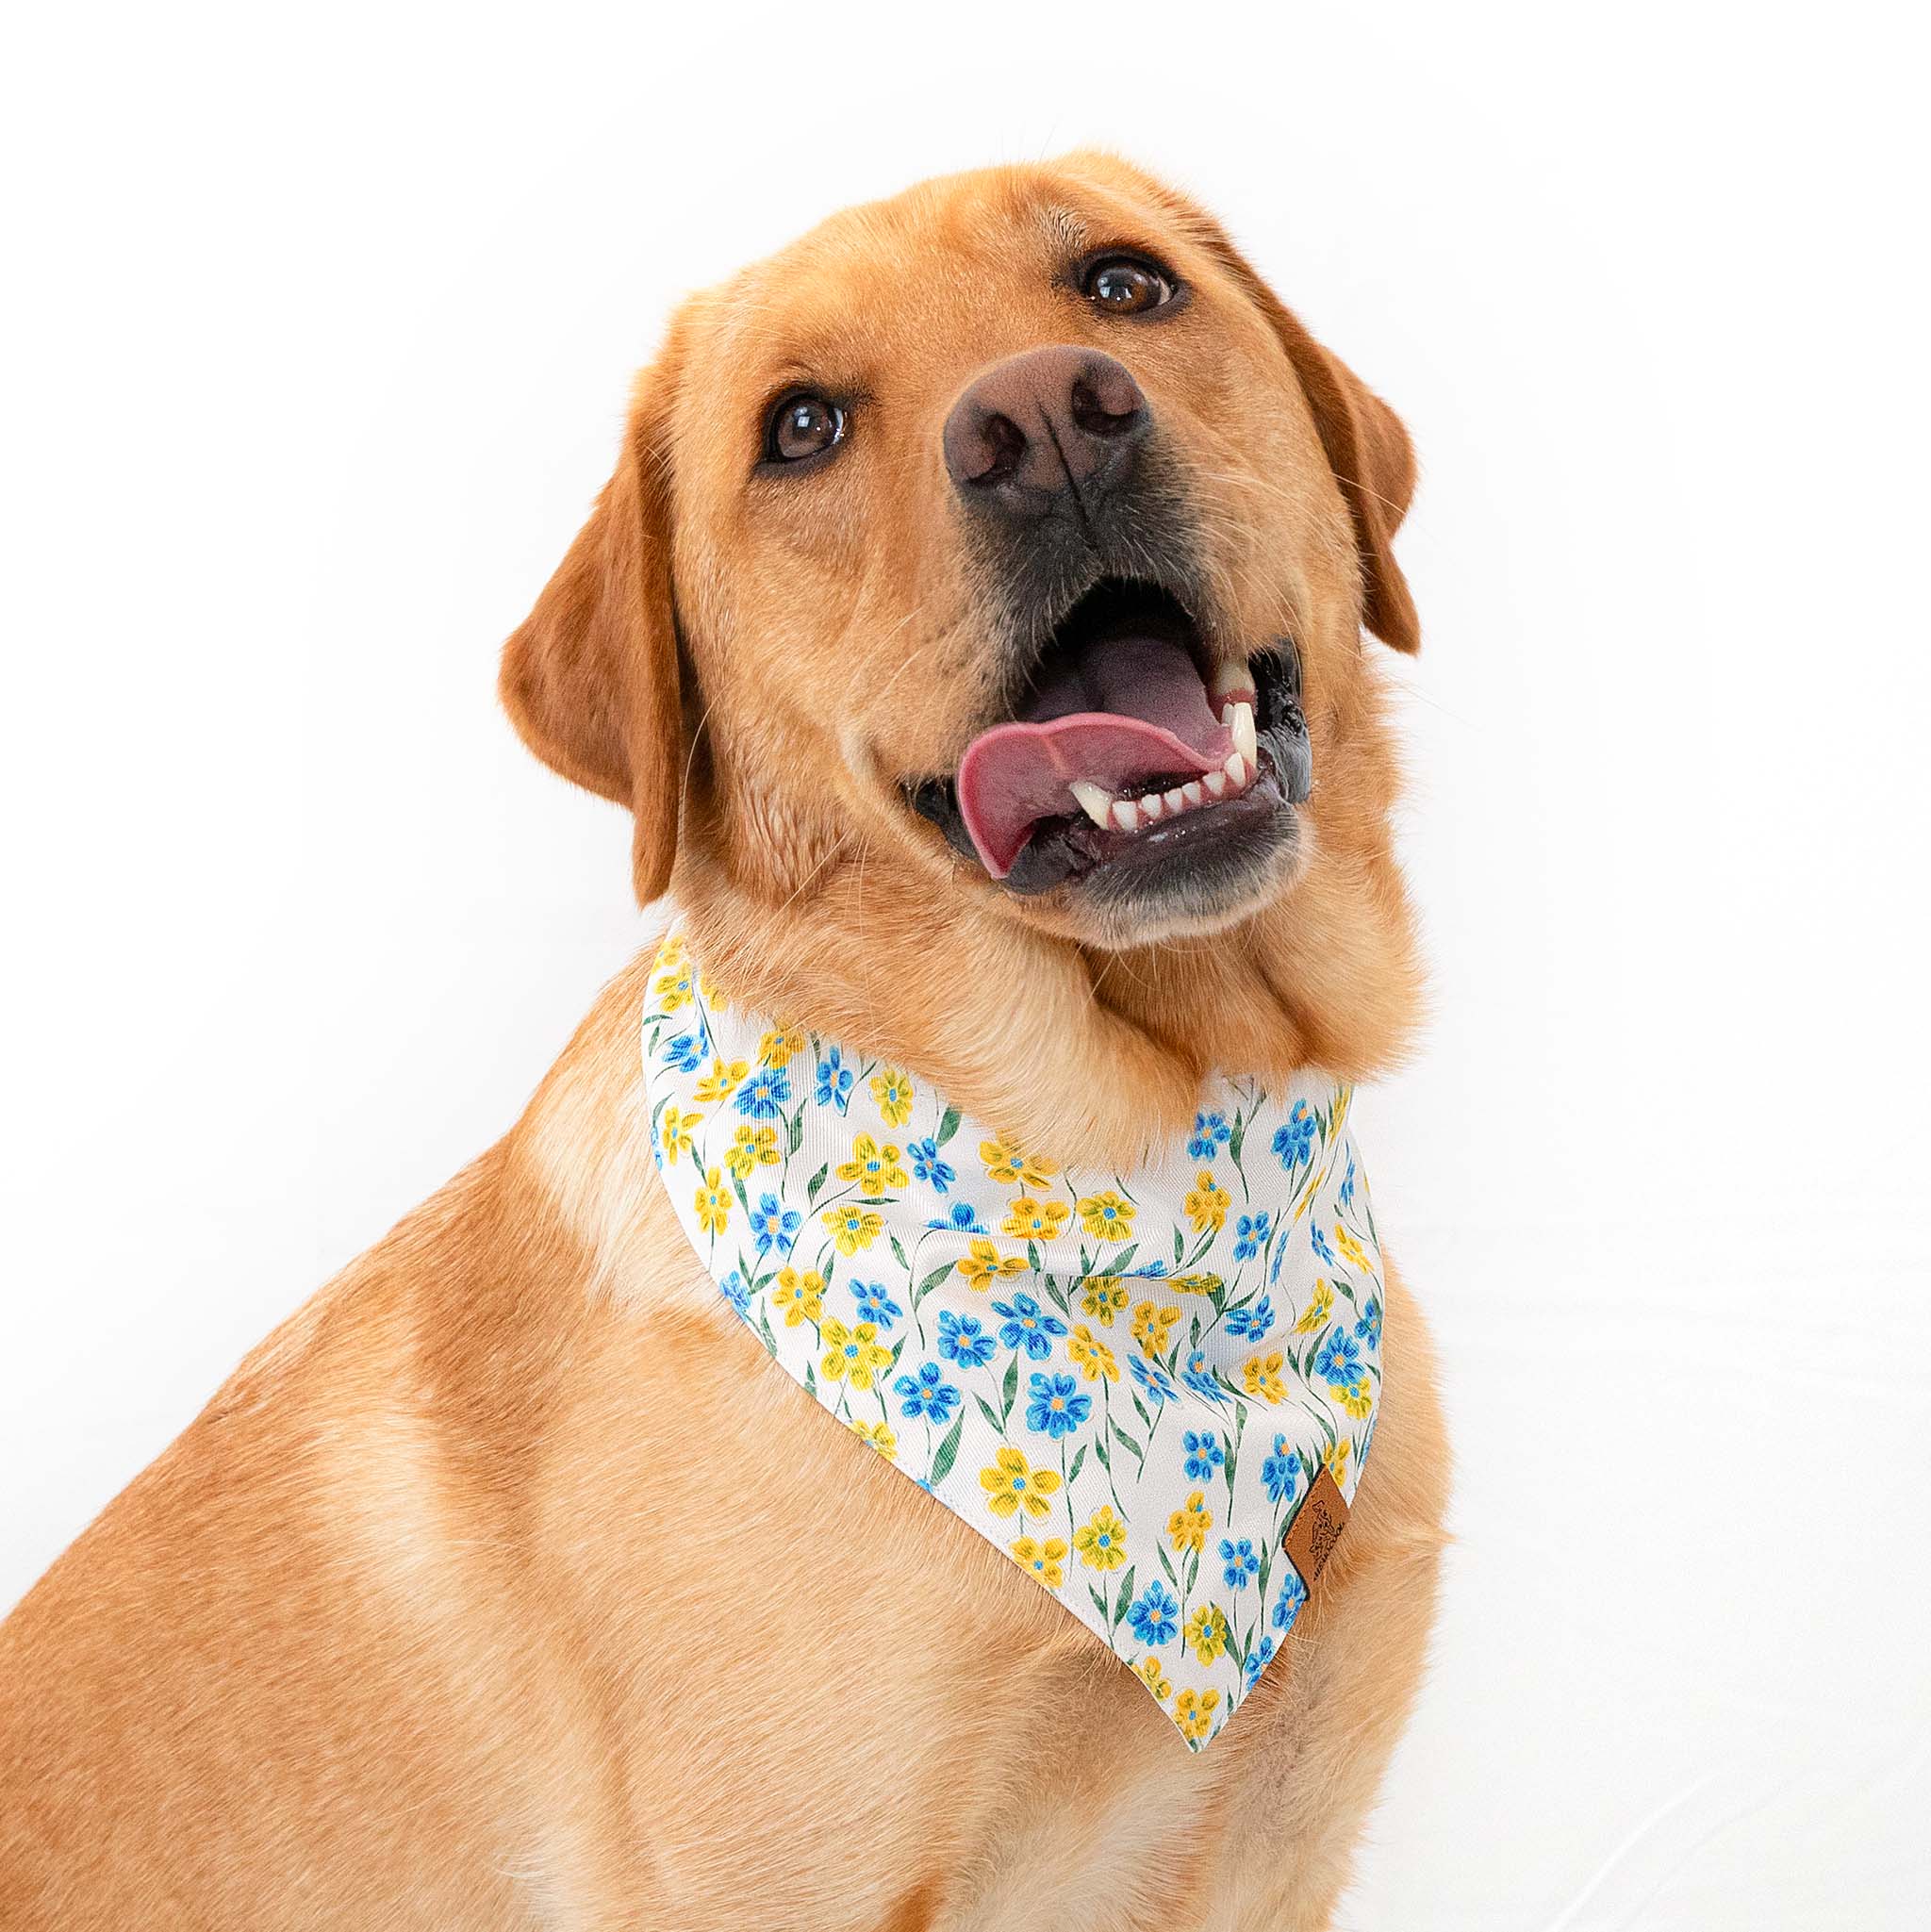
<point x="1195" y="1284"/>
<point x="1207" y="1205"/>
<point x="713" y="993"/>
<point x="1106" y="1216"/>
<point x="1150" y="1675"/>
<point x="892" y="1090"/>
<point x="802" y="1297"/>
<point x="1046" y="1560"/>
<point x="1014" y="1167"/>
<point x="722" y="1078"/>
<point x="873" y="1167"/>
<point x="752" y="1147"/>
<point x="1093" y="1356"/>
<point x="1035" y="1220"/>
<point x="674" y="987"/>
<point x="853" y="1355"/>
<point x="1353" y="1250"/>
<point x="1188" y="1525"/>
<point x="1011" y="1485"/>
<point x="674" y="1133"/>
<point x="879" y="1434"/>
<point x="1320" y="1303"/>
<point x="983" y="1265"/>
<point x="671" y="954"/>
<point x="1356" y="1399"/>
<point x="1153" y="1327"/>
<point x="852" y="1226"/>
<point x="1336" y="1459"/>
<point x="1261" y="1376"/>
<point x="1206" y="1632"/>
<point x="1102" y="1543"/>
<point x="778" y="1045"/>
<point x="1193" y="1710"/>
<point x="714" y="1203"/>
<point x="1105" y="1298"/>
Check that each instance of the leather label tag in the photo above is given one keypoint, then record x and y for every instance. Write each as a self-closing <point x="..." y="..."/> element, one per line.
<point x="1317" y="1527"/>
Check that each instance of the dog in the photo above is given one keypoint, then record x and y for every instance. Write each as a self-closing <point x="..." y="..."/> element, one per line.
<point x="509" y="1583"/>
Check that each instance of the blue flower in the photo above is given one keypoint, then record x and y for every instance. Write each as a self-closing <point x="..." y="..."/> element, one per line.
<point x="1321" y="1244"/>
<point x="1204" y="1454"/>
<point x="1155" y="1616"/>
<point x="961" y="1220"/>
<point x="874" y="1304"/>
<point x="1201" y="1378"/>
<point x="687" y="1052"/>
<point x="1241" y="1565"/>
<point x="1250" y="1236"/>
<point x="1293" y="1140"/>
<point x="1258" y="1660"/>
<point x="1056" y="1405"/>
<point x="1368" y="1328"/>
<point x="1348" y="1185"/>
<point x="1338" y="1359"/>
<point x="928" y="1167"/>
<point x="1281" y="1471"/>
<point x="835" y="1080"/>
<point x="1155" y="1383"/>
<point x="1028" y="1326"/>
<point x="1211" y="1133"/>
<point x="1287" y="1606"/>
<point x="735" y="1293"/>
<point x="775" y="1226"/>
<point x="928" y="1394"/>
<point x="1252" y="1322"/>
<point x="764" y="1093"/>
<point x="961" y="1340"/>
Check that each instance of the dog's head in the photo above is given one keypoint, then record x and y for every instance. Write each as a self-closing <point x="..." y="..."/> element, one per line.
<point x="1008" y="538"/>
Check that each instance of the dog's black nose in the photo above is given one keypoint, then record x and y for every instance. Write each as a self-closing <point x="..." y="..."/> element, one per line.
<point x="1043" y="429"/>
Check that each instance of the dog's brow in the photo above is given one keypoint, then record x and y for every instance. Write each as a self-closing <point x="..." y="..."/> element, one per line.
<point x="1065" y="227"/>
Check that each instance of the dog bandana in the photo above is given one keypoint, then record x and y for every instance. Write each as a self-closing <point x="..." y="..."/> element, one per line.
<point x="1154" y="1391"/>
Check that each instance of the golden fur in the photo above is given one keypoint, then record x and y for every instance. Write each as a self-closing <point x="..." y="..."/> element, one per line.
<point x="384" y="1638"/>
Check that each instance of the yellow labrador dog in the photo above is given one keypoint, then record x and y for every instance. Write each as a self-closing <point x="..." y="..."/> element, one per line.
<point x="508" y="1584"/>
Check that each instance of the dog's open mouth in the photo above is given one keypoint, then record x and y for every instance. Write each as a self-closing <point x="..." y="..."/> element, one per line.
<point x="1129" y="743"/>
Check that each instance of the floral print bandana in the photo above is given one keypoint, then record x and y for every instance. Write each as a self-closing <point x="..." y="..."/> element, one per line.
<point x="1154" y="1391"/>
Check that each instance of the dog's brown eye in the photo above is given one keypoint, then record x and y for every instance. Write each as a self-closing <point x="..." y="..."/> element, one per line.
<point x="801" y="426"/>
<point x="1121" y="285"/>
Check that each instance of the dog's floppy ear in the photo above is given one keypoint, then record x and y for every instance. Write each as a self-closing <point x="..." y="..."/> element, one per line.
<point x="590" y="678"/>
<point x="1367" y="448"/>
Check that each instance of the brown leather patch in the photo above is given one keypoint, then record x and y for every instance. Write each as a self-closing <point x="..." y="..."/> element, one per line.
<point x="1317" y="1527"/>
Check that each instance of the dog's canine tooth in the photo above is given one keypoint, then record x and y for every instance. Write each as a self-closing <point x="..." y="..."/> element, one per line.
<point x="1236" y="771"/>
<point x="1150" y="806"/>
<point x="1095" y="801"/>
<point x="1244" y="740"/>
<point x="1215" y="783"/>
<point x="1192" y="793"/>
<point x="1228" y="685"/>
<point x="1126" y="814"/>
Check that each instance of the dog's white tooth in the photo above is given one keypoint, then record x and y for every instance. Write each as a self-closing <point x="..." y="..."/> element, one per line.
<point x="1177" y="799"/>
<point x="1236" y="769"/>
<point x="1215" y="783"/>
<point x="1228" y="683"/>
<point x="1095" y="801"/>
<point x="1244" y="740"/>
<point x="1150" y="806"/>
<point x="1193" y="794"/>
<point x="1126" y="814"/>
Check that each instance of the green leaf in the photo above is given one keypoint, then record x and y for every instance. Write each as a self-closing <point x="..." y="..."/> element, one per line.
<point x="1126" y="1441"/>
<point x="1099" y="1451"/>
<point x="771" y="1340"/>
<point x="901" y="1253"/>
<point x="948" y="1452"/>
<point x="1118" y="1264"/>
<point x="1126" y="1595"/>
<point x="1180" y="1247"/>
<point x="991" y="1415"/>
<point x="796" y="1132"/>
<point x="930" y="1281"/>
<point x="1009" y="1392"/>
<point x="1073" y="1474"/>
<point x="1099" y="1604"/>
<point x="818" y="1181"/>
<point x="1238" y="1138"/>
<point x="948" y="1127"/>
<point x="1033" y="1257"/>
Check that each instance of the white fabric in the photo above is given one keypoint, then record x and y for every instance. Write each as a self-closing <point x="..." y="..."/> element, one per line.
<point x="1127" y="1382"/>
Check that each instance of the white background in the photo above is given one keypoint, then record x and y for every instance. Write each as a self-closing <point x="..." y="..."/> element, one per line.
<point x="317" y="346"/>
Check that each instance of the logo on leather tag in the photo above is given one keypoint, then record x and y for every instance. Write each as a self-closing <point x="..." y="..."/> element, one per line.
<point x="1317" y="1527"/>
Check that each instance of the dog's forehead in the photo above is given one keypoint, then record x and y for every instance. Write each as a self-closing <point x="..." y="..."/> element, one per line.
<point x="958" y="246"/>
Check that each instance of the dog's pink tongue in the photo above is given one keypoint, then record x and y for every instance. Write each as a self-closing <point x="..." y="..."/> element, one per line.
<point x="1125" y="711"/>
